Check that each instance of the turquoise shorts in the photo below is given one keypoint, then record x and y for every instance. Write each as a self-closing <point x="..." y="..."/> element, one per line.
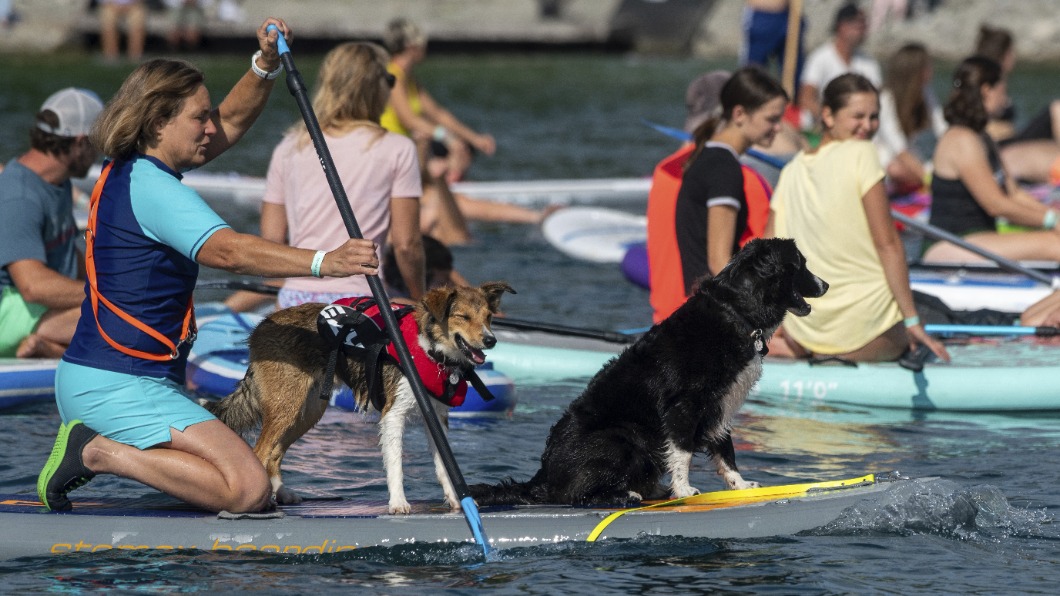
<point x="18" y="319"/>
<point x="137" y="411"/>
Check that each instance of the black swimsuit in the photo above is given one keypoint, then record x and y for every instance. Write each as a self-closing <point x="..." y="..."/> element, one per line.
<point x="954" y="209"/>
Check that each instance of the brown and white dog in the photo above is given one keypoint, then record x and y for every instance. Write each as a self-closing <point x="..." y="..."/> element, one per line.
<point x="287" y="370"/>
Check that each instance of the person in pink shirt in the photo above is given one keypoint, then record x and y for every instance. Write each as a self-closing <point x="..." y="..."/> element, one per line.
<point x="379" y="171"/>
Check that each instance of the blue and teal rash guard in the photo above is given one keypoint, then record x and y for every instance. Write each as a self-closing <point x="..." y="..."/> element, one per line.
<point x="149" y="229"/>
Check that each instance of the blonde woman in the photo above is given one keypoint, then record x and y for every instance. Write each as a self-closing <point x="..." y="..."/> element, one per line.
<point x="379" y="171"/>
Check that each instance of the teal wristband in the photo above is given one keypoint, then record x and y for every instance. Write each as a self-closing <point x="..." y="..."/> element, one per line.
<point x="912" y="321"/>
<point x="1049" y="221"/>
<point x="317" y="260"/>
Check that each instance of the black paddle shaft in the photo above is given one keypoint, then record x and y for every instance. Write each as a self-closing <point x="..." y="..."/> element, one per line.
<point x="296" y="86"/>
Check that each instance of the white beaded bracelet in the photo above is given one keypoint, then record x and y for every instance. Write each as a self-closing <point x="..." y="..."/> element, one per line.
<point x="265" y="74"/>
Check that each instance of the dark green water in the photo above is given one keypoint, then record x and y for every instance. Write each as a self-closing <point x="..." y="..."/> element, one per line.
<point x="554" y="116"/>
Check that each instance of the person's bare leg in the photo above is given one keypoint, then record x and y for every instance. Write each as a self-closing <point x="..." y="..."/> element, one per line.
<point x="884" y="348"/>
<point x="136" y="24"/>
<point x="207" y="465"/>
<point x="782" y="345"/>
<point x="52" y="335"/>
<point x="1020" y="246"/>
<point x="1030" y="161"/>
<point x="35" y="346"/>
<point x="59" y="325"/>
<point x="108" y="32"/>
<point x="486" y="210"/>
<point x="448" y="224"/>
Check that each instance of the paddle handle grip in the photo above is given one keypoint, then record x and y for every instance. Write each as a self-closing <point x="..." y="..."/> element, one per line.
<point x="281" y="42"/>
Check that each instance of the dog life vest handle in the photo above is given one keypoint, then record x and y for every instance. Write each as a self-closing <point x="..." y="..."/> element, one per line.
<point x="297" y="87"/>
<point x="187" y="333"/>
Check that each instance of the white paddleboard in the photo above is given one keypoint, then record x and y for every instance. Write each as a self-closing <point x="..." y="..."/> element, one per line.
<point x="594" y="234"/>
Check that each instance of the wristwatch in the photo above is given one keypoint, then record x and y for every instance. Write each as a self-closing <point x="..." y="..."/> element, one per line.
<point x="267" y="75"/>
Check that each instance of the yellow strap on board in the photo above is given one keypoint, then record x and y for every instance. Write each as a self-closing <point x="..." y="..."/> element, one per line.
<point x="731" y="498"/>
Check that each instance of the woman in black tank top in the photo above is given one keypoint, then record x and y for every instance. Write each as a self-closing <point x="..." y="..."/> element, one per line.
<point x="970" y="188"/>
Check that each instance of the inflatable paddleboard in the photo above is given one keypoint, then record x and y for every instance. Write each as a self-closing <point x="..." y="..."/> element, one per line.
<point x="996" y="375"/>
<point x="594" y="234"/>
<point x="24" y="381"/>
<point x="316" y="527"/>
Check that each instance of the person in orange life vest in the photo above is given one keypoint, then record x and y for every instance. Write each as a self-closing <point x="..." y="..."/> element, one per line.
<point x="120" y="385"/>
<point x="694" y="230"/>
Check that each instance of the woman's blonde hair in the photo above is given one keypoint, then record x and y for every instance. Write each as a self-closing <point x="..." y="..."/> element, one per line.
<point x="402" y="34"/>
<point x="351" y="89"/>
<point x="151" y="96"/>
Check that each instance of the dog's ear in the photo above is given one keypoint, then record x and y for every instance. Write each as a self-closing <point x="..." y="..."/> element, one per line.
<point x="493" y="291"/>
<point x="438" y="302"/>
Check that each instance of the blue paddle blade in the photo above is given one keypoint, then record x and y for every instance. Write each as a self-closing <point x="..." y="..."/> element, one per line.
<point x="669" y="131"/>
<point x="477" y="530"/>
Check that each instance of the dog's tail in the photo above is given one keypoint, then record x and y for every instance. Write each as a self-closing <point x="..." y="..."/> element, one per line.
<point x="510" y="492"/>
<point x="240" y="410"/>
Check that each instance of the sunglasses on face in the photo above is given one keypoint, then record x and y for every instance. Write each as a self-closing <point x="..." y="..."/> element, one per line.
<point x="390" y="79"/>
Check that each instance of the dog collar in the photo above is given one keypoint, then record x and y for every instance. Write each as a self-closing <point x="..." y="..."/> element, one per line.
<point x="759" y="342"/>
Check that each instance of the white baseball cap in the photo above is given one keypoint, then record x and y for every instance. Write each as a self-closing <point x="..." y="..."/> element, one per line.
<point x="77" y="110"/>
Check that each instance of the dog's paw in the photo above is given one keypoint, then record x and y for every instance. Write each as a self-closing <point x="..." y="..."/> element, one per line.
<point x="286" y="496"/>
<point x="680" y="492"/>
<point x="736" y="482"/>
<point x="453" y="503"/>
<point x="399" y="506"/>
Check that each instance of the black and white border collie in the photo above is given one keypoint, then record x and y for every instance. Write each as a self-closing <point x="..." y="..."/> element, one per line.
<point x="672" y="393"/>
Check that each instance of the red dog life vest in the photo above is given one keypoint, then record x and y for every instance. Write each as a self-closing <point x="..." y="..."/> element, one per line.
<point x="434" y="375"/>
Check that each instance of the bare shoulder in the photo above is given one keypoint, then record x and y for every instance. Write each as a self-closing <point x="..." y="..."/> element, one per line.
<point x="958" y="146"/>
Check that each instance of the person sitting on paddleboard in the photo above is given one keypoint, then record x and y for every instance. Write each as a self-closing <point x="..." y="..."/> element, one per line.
<point x="446" y="145"/>
<point x="120" y="386"/>
<point x="831" y="201"/>
<point x="694" y="231"/>
<point x="971" y="188"/>
<point x="41" y="256"/>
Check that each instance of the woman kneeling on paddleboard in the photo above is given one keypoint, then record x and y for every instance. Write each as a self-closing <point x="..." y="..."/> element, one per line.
<point x="119" y="386"/>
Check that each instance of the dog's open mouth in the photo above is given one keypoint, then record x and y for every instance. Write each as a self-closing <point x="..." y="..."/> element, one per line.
<point x="799" y="307"/>
<point x="473" y="354"/>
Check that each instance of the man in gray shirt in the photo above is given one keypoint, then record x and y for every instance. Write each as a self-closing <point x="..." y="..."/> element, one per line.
<point x="41" y="250"/>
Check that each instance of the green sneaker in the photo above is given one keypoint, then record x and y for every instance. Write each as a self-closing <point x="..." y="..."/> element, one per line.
<point x="64" y="470"/>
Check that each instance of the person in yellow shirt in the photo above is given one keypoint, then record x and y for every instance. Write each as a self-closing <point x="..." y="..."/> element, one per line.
<point x="413" y="112"/>
<point x="831" y="201"/>
<point x="445" y="145"/>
